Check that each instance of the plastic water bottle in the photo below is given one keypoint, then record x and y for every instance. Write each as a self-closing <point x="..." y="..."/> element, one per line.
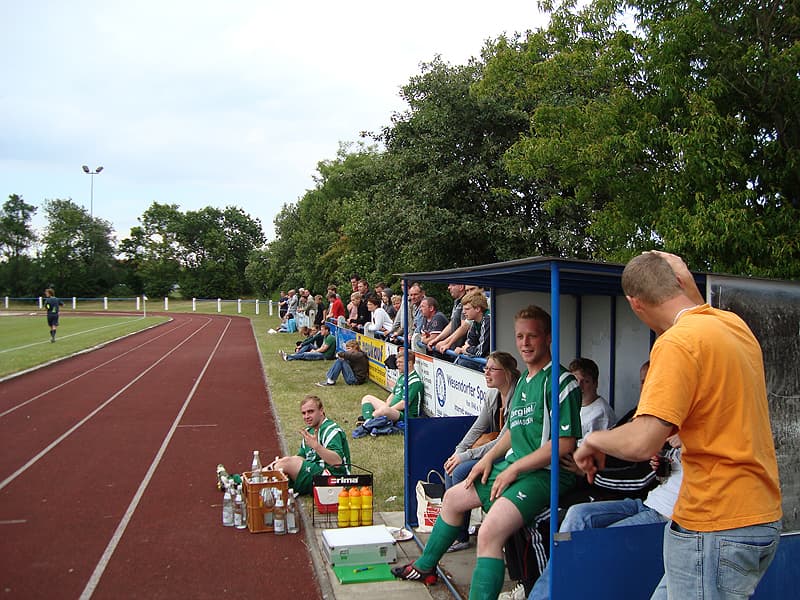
<point x="257" y="476"/>
<point x="355" y="507"/>
<point x="238" y="520"/>
<point x="292" y="518"/>
<point x="366" y="505"/>
<point x="227" y="507"/>
<point x="279" y="515"/>
<point x="344" y="508"/>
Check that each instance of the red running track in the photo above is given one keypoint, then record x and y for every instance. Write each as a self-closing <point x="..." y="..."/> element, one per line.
<point x="107" y="471"/>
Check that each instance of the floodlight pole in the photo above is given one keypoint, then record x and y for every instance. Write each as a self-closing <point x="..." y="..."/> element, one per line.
<point x="91" y="174"/>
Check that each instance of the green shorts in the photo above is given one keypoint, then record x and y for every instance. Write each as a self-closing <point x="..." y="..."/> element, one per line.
<point x="305" y="478"/>
<point x="530" y="493"/>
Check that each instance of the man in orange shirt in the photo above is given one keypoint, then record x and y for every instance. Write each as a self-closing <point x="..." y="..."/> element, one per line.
<point x="706" y="381"/>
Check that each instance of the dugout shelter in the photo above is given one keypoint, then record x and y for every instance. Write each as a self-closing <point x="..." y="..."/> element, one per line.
<point x="591" y="317"/>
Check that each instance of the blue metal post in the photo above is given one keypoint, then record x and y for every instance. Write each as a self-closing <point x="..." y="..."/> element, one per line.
<point x="555" y="319"/>
<point x="407" y="487"/>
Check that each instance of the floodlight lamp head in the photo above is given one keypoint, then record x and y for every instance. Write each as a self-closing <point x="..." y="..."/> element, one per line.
<point x="98" y="169"/>
<point x="85" y="169"/>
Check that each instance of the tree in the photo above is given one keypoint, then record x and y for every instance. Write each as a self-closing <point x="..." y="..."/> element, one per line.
<point x="681" y="133"/>
<point x="78" y="250"/>
<point x="153" y="251"/>
<point x="214" y="249"/>
<point x="16" y="237"/>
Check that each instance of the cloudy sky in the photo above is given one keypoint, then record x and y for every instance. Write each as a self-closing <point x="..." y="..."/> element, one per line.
<point x="203" y="103"/>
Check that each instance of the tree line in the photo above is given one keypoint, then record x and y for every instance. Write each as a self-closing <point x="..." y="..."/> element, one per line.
<point x="619" y="127"/>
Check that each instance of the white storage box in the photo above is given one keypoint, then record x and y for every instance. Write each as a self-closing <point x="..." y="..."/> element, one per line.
<point x="359" y="545"/>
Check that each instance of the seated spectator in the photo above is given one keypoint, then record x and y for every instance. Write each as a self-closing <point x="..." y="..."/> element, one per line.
<point x="335" y="307"/>
<point x="511" y="481"/>
<point x="394" y="407"/>
<point x="434" y="322"/>
<point x="324" y="449"/>
<point x="618" y="479"/>
<point x="502" y="375"/>
<point x="527" y="551"/>
<point x="327" y="351"/>
<point x="312" y="339"/>
<point x="352" y="364"/>
<point x="380" y="324"/>
<point x="476" y="310"/>
<point x="456" y="331"/>
<point x="657" y="508"/>
<point x="289" y="325"/>
<point x="596" y="413"/>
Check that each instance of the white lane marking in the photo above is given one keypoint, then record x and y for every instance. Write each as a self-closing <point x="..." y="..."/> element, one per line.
<point x="77" y="425"/>
<point x="94" y="580"/>
<point x="109" y="361"/>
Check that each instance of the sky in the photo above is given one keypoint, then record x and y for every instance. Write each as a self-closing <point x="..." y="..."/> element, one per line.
<point x="200" y="103"/>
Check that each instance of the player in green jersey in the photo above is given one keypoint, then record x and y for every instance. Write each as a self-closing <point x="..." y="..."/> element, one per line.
<point x="323" y="450"/>
<point x="512" y="481"/>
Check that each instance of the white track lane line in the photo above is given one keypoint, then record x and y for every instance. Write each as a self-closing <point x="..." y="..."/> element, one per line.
<point x="94" y="580"/>
<point x="80" y="423"/>
<point x="109" y="361"/>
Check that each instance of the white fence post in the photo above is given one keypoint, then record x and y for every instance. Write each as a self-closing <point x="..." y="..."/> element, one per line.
<point x="257" y="313"/>
<point x="219" y="305"/>
<point x="138" y="303"/>
<point x="239" y="306"/>
<point x="74" y="303"/>
<point x="166" y="303"/>
<point x="194" y="304"/>
<point x="105" y="302"/>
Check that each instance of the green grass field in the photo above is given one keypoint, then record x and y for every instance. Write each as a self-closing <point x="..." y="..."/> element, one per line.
<point x="25" y="337"/>
<point x="25" y="343"/>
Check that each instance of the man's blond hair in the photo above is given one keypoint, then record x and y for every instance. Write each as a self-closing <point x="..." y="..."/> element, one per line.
<point x="476" y="299"/>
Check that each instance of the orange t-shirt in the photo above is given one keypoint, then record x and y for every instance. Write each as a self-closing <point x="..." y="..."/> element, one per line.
<point x="707" y="377"/>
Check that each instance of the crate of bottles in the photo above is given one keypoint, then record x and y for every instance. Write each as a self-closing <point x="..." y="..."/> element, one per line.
<point x="259" y="496"/>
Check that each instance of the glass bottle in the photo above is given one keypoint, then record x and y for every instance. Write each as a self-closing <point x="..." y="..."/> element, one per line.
<point x="255" y="467"/>
<point x="292" y="516"/>
<point x="227" y="507"/>
<point x="280" y="515"/>
<point x="268" y="501"/>
<point x="239" y="519"/>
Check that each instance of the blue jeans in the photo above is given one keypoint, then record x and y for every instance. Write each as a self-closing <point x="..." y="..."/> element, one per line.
<point x="305" y="356"/>
<point x="460" y="474"/>
<point x="343" y="367"/>
<point x="471" y="363"/>
<point x="715" y="565"/>
<point x="597" y="515"/>
<point x="304" y="348"/>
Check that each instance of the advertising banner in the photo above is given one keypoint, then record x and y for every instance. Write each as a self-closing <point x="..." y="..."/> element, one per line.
<point x="450" y="391"/>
